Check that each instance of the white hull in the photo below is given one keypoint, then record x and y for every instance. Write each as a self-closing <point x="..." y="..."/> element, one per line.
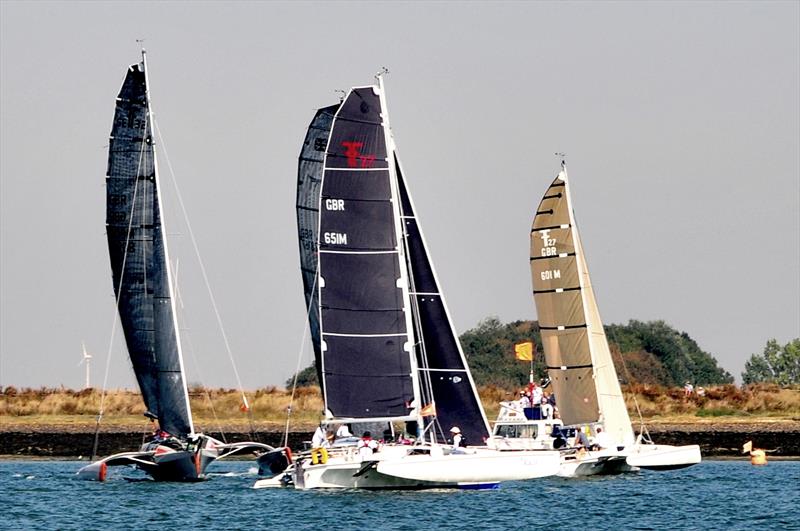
<point x="481" y="466"/>
<point x="663" y="457"/>
<point x="406" y="467"/>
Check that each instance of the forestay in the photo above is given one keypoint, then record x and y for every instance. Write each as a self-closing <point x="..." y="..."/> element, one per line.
<point x="445" y="377"/>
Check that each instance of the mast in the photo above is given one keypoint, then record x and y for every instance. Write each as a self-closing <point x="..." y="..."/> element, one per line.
<point x="167" y="268"/>
<point x="401" y="248"/>
<point x="610" y="401"/>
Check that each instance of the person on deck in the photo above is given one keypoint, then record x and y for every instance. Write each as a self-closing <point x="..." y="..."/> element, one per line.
<point x="602" y="440"/>
<point x="581" y="440"/>
<point x="536" y="394"/>
<point x="524" y="401"/>
<point x="458" y="439"/>
<point x="367" y="446"/>
<point x="547" y="409"/>
<point x="319" y="439"/>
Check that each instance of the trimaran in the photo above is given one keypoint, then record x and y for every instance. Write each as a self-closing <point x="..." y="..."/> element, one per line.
<point x="578" y="358"/>
<point x="385" y="348"/>
<point x="145" y="295"/>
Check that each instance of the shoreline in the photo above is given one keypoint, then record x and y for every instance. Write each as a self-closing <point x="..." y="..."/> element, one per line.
<point x="718" y="439"/>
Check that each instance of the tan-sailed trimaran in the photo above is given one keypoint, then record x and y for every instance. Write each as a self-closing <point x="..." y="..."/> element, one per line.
<point x="576" y="350"/>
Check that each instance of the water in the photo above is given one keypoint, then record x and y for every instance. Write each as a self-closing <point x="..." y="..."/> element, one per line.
<point x="712" y="495"/>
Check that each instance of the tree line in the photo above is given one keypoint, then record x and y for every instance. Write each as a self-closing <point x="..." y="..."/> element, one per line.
<point x="649" y="352"/>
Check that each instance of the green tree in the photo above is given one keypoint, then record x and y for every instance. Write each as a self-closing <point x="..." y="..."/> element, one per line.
<point x="305" y="378"/>
<point x="681" y="357"/>
<point x="489" y="349"/>
<point x="778" y="364"/>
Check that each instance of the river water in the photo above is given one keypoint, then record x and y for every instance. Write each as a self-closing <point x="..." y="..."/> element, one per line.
<point x="716" y="495"/>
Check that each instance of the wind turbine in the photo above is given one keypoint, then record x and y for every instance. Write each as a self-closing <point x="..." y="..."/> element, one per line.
<point x="85" y="360"/>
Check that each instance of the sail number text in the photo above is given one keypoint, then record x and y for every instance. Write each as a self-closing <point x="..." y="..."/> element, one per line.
<point x="334" y="204"/>
<point x="548" y="244"/>
<point x="334" y="238"/>
<point x="551" y="274"/>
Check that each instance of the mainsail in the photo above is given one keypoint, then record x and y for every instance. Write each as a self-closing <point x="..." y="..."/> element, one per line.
<point x="367" y="360"/>
<point x="309" y="178"/>
<point x="139" y="258"/>
<point x="384" y="342"/>
<point x="576" y="350"/>
<point x="445" y="377"/>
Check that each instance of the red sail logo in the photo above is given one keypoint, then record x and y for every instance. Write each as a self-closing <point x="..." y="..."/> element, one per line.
<point x="355" y="158"/>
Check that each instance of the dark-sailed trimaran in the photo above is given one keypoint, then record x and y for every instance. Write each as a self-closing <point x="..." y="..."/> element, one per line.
<point x="144" y="290"/>
<point x="385" y="347"/>
<point x="576" y="350"/>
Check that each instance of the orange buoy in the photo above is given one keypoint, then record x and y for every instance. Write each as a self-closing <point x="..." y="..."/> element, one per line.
<point x="758" y="457"/>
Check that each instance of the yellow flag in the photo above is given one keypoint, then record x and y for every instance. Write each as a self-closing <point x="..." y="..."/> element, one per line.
<point x="524" y="351"/>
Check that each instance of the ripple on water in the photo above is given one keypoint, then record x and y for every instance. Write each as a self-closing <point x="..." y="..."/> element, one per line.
<point x="712" y="495"/>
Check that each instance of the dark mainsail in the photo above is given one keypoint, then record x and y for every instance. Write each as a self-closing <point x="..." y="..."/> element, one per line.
<point x="138" y="256"/>
<point x="446" y="380"/>
<point x="309" y="178"/>
<point x="366" y="358"/>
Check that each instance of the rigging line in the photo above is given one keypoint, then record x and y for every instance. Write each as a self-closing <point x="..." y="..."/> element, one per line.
<point x="207" y="392"/>
<point x="118" y="297"/>
<point x="642" y="427"/>
<point x="191" y="349"/>
<point x="306" y="329"/>
<point x="202" y="268"/>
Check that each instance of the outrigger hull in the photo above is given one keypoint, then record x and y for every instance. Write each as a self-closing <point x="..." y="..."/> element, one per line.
<point x="164" y="463"/>
<point x="594" y="464"/>
<point x="664" y="457"/>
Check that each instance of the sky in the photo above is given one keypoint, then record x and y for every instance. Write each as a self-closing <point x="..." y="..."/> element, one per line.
<point x="680" y="121"/>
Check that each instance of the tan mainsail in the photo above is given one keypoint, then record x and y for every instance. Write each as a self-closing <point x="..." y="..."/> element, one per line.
<point x="576" y="350"/>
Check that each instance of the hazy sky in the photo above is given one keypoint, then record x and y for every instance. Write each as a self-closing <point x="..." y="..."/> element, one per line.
<point x="680" y="121"/>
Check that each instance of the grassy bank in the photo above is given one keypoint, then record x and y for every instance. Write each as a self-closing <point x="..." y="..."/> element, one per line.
<point x="65" y="408"/>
